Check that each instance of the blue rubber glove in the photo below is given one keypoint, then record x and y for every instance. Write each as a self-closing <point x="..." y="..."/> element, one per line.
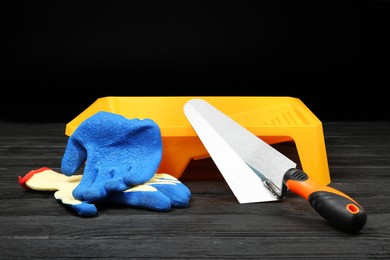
<point x="117" y="153"/>
<point x="162" y="193"/>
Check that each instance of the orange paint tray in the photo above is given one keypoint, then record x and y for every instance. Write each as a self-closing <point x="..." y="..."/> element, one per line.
<point x="274" y="119"/>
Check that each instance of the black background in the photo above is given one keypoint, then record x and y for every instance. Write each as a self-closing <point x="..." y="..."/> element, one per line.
<point x="58" y="57"/>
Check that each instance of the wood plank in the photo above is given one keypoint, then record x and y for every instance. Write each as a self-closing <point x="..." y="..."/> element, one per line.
<point x="215" y="225"/>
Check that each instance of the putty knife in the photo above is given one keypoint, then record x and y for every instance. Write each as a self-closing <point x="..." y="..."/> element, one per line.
<point x="257" y="172"/>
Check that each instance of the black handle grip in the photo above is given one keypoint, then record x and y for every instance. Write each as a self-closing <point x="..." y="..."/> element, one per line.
<point x="336" y="207"/>
<point x="339" y="210"/>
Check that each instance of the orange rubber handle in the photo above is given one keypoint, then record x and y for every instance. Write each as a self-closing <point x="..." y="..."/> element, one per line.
<point x="336" y="207"/>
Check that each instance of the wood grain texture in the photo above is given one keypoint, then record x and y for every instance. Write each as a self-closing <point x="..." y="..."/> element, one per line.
<point x="33" y="225"/>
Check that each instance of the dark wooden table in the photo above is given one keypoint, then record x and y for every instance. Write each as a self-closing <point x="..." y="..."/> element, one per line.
<point x="35" y="226"/>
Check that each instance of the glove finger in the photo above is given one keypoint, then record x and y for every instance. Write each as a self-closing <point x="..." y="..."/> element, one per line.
<point x="84" y="209"/>
<point x="73" y="158"/>
<point x="80" y="207"/>
<point x="90" y="187"/>
<point x="142" y="196"/>
<point x="176" y="191"/>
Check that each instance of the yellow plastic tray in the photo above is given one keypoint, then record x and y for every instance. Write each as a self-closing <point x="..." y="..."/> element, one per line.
<point x="274" y="119"/>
